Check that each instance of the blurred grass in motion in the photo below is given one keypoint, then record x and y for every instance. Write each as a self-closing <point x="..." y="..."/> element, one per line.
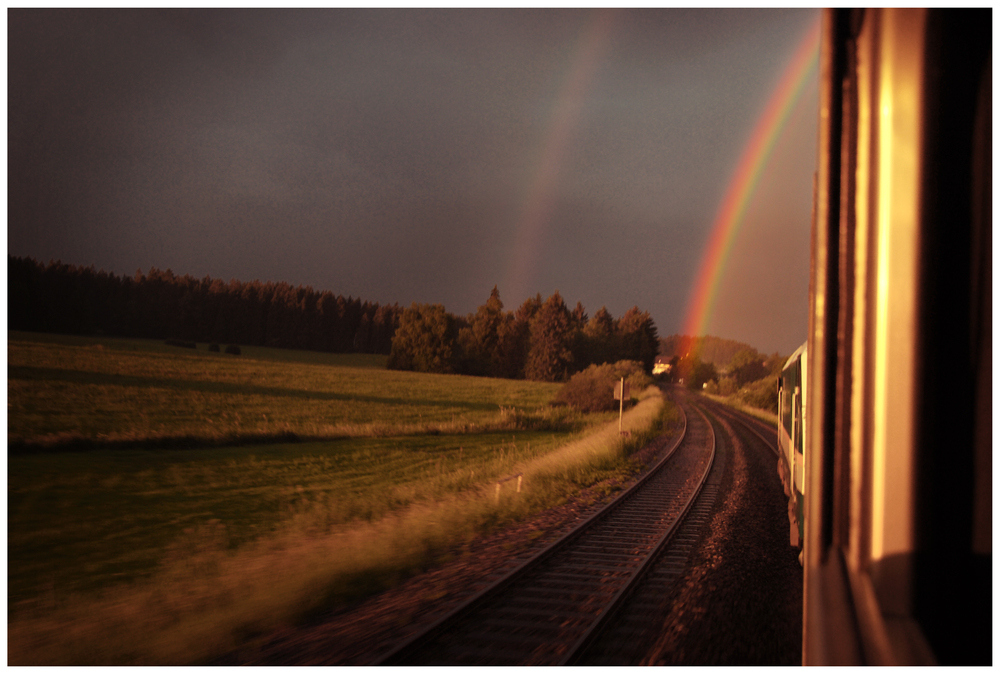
<point x="85" y="520"/>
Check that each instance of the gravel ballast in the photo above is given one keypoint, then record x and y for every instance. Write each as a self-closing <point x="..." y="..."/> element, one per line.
<point x="738" y="602"/>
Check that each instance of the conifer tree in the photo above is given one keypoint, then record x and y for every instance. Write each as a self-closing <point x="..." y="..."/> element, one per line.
<point x="636" y="334"/>
<point x="599" y="337"/>
<point x="481" y="339"/>
<point x="514" y="338"/>
<point x="550" y="355"/>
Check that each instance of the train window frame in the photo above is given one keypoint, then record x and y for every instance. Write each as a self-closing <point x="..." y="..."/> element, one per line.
<point x="875" y="378"/>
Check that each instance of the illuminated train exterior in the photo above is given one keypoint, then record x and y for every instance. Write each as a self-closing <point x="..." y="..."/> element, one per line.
<point x="792" y="439"/>
<point x="897" y="426"/>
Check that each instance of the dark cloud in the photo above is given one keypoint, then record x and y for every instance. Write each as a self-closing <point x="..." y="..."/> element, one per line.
<point x="386" y="153"/>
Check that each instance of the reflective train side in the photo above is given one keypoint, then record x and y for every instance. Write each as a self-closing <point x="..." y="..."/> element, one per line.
<point x="791" y="439"/>
<point x="897" y="388"/>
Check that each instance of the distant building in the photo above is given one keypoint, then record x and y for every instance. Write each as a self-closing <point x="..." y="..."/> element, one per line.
<point x="661" y="365"/>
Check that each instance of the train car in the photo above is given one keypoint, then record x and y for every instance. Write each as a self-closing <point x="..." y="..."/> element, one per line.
<point x="791" y="438"/>
<point x="897" y="556"/>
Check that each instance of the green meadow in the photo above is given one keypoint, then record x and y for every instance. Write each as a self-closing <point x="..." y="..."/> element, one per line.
<point x="65" y="390"/>
<point x="165" y="504"/>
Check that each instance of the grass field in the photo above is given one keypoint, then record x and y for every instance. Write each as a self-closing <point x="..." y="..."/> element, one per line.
<point x="185" y="499"/>
<point x="63" y="390"/>
<point x="734" y="402"/>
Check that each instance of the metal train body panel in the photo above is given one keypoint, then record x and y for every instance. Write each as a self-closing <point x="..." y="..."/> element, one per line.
<point x="897" y="551"/>
<point x="792" y="391"/>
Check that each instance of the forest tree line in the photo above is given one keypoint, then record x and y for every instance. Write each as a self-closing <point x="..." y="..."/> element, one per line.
<point x="724" y="367"/>
<point x="715" y="350"/>
<point x="66" y="299"/>
<point x="541" y="340"/>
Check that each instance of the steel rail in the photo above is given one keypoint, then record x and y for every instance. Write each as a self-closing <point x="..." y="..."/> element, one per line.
<point x="414" y="642"/>
<point x="739" y="417"/>
<point x="578" y="650"/>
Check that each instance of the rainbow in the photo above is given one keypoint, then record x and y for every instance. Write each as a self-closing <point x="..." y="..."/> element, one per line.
<point x="540" y="199"/>
<point x="741" y="187"/>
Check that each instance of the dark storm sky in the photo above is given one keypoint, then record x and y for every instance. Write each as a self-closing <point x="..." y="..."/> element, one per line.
<point x="416" y="155"/>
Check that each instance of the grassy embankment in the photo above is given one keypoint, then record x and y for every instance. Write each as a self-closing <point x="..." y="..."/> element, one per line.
<point x="166" y="537"/>
<point x="735" y="402"/>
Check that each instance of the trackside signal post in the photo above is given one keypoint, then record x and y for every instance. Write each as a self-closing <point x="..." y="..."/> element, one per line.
<point x="621" y="392"/>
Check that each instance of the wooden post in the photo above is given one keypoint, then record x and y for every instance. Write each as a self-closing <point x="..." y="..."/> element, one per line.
<point x="621" y="391"/>
<point x="519" y="477"/>
<point x="621" y="406"/>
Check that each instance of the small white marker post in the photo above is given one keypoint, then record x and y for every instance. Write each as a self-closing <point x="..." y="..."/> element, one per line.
<point x="621" y="391"/>
<point x="506" y="479"/>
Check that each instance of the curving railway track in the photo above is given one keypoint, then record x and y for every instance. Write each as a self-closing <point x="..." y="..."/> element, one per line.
<point x="551" y="609"/>
<point x="763" y="431"/>
<point x="691" y="566"/>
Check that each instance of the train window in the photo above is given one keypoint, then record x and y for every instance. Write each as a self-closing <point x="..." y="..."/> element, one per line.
<point x="900" y="508"/>
<point x="786" y="407"/>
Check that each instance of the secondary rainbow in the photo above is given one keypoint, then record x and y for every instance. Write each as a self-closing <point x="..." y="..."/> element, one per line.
<point x="741" y="187"/>
<point x="541" y="197"/>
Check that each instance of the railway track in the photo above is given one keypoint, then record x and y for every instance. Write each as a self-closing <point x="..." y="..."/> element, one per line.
<point x="549" y="610"/>
<point x="639" y="622"/>
<point x="766" y="433"/>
